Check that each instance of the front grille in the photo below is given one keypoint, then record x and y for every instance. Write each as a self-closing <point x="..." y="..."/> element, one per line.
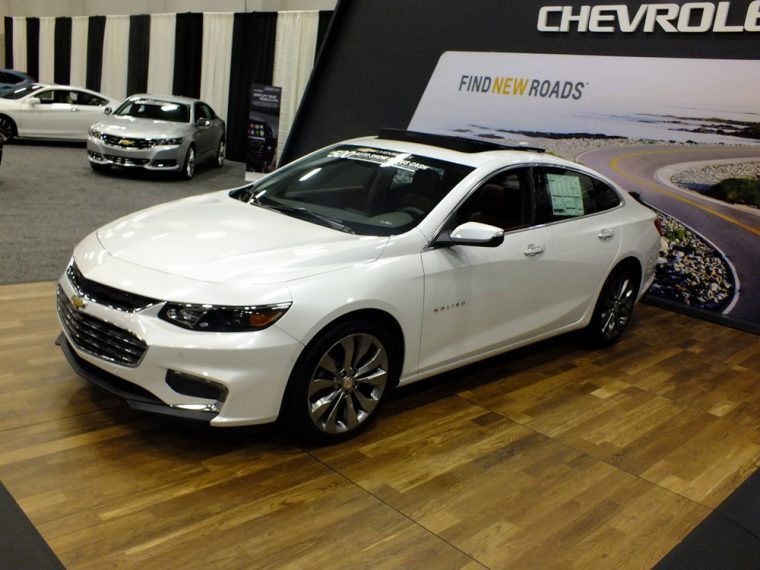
<point x="124" y="161"/>
<point x="99" y="338"/>
<point x="126" y="142"/>
<point x="105" y="295"/>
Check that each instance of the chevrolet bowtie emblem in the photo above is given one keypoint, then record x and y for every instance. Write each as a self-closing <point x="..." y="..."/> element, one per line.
<point x="126" y="142"/>
<point x="78" y="302"/>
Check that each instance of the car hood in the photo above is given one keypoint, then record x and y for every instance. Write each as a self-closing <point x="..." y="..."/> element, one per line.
<point x="135" y="127"/>
<point x="9" y="103"/>
<point x="215" y="238"/>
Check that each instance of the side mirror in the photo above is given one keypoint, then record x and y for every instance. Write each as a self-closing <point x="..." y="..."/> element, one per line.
<point x="33" y="100"/>
<point x="107" y="110"/>
<point x="203" y="122"/>
<point x="472" y="234"/>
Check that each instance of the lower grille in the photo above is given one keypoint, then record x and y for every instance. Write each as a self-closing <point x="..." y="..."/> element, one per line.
<point x="124" y="161"/>
<point x="98" y="337"/>
<point x="165" y="163"/>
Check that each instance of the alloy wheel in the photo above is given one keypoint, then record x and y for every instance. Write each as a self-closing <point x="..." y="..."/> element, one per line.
<point x="619" y="297"/>
<point x="347" y="383"/>
<point x="220" y="155"/>
<point x="6" y="129"/>
<point x="190" y="163"/>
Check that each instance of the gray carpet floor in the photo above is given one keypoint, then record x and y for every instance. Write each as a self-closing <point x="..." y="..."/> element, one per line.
<point x="50" y="199"/>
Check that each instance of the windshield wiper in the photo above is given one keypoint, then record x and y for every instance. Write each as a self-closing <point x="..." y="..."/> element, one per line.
<point x="301" y="212"/>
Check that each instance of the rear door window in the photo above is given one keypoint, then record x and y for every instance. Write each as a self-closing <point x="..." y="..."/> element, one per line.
<point x="563" y="194"/>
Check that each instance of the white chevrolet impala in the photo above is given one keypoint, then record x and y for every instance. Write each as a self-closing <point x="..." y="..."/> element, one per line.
<point x="312" y="293"/>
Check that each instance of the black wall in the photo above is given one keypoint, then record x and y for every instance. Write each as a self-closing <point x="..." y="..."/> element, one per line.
<point x="379" y="55"/>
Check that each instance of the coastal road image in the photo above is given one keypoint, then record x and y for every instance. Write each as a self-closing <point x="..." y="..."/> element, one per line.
<point x="733" y="229"/>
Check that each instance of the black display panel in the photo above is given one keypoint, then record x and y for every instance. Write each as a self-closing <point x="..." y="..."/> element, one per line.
<point x="379" y="54"/>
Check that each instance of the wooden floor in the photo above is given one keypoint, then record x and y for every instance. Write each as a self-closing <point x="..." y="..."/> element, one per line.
<point x="550" y="457"/>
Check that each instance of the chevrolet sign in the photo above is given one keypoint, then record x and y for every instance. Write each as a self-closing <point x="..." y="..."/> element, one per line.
<point x="691" y="17"/>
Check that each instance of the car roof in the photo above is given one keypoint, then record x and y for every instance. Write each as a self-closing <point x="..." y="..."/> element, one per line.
<point x="77" y="87"/>
<point x="167" y="98"/>
<point x="461" y="150"/>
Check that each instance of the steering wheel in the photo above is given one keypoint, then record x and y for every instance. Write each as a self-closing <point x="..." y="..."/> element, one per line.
<point x="416" y="213"/>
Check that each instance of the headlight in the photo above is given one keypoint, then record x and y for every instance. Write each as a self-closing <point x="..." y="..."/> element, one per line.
<point x="94" y="133"/>
<point x="168" y="141"/>
<point x="211" y="318"/>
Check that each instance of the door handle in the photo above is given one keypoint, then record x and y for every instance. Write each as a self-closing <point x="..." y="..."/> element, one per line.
<point x="606" y="234"/>
<point x="534" y="249"/>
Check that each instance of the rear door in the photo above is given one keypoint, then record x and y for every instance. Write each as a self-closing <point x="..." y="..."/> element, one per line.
<point x="88" y="109"/>
<point x="582" y="237"/>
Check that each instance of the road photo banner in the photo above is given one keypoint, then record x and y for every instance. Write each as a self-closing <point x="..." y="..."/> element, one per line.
<point x="682" y="132"/>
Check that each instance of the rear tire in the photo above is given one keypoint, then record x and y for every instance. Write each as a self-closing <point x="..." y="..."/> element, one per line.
<point x="340" y="382"/>
<point x="7" y="129"/>
<point x="614" y="307"/>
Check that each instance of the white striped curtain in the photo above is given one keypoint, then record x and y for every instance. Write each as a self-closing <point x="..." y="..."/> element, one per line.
<point x="161" y="58"/>
<point x="295" y="49"/>
<point x="19" y="44"/>
<point x="47" y="50"/>
<point x="113" y="78"/>
<point x="79" y="33"/>
<point x="216" y="59"/>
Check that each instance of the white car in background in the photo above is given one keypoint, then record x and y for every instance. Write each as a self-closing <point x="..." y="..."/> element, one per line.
<point x="54" y="112"/>
<point x="310" y="294"/>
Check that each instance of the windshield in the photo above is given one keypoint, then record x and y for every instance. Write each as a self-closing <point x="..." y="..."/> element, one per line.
<point x="22" y="91"/>
<point x="364" y="190"/>
<point x="156" y="110"/>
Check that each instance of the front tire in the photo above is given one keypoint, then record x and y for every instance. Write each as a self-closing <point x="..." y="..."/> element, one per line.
<point x="614" y="307"/>
<point x="218" y="160"/>
<point x="7" y="129"/>
<point x="340" y="382"/>
<point x="188" y="168"/>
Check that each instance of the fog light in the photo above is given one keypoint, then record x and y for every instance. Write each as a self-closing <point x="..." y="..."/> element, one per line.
<point x="196" y="386"/>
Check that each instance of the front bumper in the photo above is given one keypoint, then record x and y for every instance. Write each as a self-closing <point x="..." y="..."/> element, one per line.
<point x="136" y="397"/>
<point x="246" y="373"/>
<point x="164" y="157"/>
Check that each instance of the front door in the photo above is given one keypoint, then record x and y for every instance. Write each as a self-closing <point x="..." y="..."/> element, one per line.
<point x="482" y="298"/>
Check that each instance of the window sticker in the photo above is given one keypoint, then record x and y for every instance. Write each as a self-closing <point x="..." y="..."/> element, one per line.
<point x="566" y="194"/>
<point x="380" y="157"/>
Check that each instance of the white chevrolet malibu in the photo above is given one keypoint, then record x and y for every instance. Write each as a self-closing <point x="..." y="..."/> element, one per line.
<point x="310" y="294"/>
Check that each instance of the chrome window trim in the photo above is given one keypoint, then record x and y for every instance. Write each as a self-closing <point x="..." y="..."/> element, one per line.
<point x="531" y="166"/>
